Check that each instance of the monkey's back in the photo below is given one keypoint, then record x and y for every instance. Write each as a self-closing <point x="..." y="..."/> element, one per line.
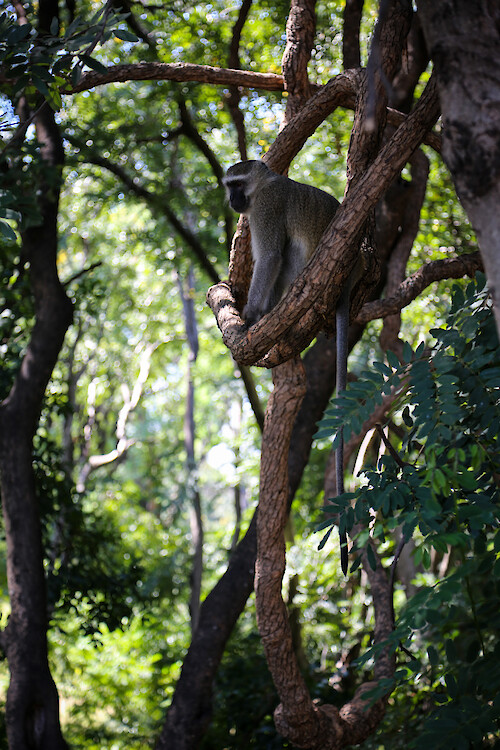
<point x="307" y="211"/>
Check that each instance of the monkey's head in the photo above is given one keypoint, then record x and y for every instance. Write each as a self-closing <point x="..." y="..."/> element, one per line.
<point x="241" y="181"/>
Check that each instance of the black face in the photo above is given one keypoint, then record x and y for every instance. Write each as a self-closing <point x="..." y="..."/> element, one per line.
<point x="238" y="199"/>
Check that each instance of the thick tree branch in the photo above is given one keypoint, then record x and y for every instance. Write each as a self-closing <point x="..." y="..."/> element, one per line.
<point x="396" y="272"/>
<point x="339" y="91"/>
<point x="300" y="30"/>
<point x="156" y="71"/>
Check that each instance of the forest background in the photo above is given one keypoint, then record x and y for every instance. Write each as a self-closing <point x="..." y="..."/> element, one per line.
<point x="133" y="444"/>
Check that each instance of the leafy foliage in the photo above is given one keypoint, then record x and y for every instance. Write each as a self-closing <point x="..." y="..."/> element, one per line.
<point x="443" y="489"/>
<point x="44" y="60"/>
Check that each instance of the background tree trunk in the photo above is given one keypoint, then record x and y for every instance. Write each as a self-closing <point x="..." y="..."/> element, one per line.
<point x="463" y="37"/>
<point x="32" y="711"/>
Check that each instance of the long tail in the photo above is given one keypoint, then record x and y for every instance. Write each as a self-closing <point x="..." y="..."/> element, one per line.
<point x="342" y="325"/>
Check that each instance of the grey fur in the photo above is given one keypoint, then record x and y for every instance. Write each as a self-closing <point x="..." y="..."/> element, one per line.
<point x="287" y="220"/>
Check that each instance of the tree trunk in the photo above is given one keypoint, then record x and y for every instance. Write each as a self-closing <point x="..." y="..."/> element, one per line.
<point x="191" y="709"/>
<point x="32" y="711"/>
<point x="195" y="517"/>
<point x="463" y="37"/>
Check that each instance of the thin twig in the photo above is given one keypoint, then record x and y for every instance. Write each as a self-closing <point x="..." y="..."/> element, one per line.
<point x="390" y="447"/>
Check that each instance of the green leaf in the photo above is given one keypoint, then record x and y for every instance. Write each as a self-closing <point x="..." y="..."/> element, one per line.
<point x="371" y="557"/>
<point x="125" y="35"/>
<point x="407" y="352"/>
<point x="325" y="539"/>
<point x="91" y="62"/>
<point x="393" y="360"/>
<point x="40" y="85"/>
<point x="406" y="416"/>
<point x="382" y="368"/>
<point x="76" y="75"/>
<point x="17" y="33"/>
<point x="433" y="656"/>
<point x="54" y="98"/>
<point x="7" y="231"/>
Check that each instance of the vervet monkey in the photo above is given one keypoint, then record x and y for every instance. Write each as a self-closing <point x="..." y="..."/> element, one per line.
<point x="287" y="220"/>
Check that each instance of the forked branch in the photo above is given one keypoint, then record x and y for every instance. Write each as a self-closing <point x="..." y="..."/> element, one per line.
<point x="312" y="298"/>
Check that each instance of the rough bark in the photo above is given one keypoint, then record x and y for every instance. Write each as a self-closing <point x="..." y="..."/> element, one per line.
<point x="297" y="717"/>
<point x="463" y="38"/>
<point x="410" y="288"/>
<point x="32" y="710"/>
<point x="351" y="54"/>
<point x="156" y="71"/>
<point x="272" y="615"/>
<point x="300" y="29"/>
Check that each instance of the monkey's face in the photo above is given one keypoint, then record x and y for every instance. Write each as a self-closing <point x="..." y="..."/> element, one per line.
<point x="237" y="196"/>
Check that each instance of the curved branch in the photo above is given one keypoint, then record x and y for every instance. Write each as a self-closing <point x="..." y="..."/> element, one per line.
<point x="313" y="296"/>
<point x="339" y="91"/>
<point x="436" y="270"/>
<point x="396" y="270"/>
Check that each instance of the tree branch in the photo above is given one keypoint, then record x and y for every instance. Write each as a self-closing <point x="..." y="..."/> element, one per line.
<point x="350" y="38"/>
<point x="130" y="402"/>
<point x="436" y="270"/>
<point x="156" y="71"/>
